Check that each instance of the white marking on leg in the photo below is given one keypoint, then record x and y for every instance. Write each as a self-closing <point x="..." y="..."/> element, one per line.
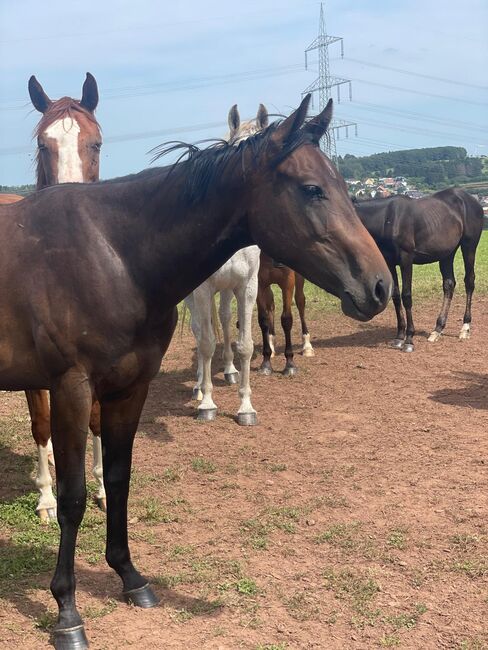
<point x="50" y="452"/>
<point x="65" y="132"/>
<point x="434" y="337"/>
<point x="465" y="332"/>
<point x="44" y="483"/>
<point x="206" y="345"/>
<point x="98" y="467"/>
<point x="307" y="349"/>
<point x="271" y="339"/>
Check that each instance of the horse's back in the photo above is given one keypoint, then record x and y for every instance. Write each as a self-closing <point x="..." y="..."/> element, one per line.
<point x="237" y="270"/>
<point x="10" y="198"/>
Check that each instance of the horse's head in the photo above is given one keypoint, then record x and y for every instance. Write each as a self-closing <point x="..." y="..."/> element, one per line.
<point x="241" y="130"/>
<point x="68" y="135"/>
<point x="300" y="214"/>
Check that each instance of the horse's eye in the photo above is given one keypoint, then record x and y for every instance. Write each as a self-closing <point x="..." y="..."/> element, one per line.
<point x="313" y="192"/>
<point x="96" y="146"/>
<point x="41" y="147"/>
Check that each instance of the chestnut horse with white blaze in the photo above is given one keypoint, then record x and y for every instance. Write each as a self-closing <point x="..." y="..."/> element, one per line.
<point x="68" y="151"/>
<point x="93" y="312"/>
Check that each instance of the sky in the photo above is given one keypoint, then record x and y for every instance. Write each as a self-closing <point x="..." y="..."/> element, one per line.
<point x="167" y="70"/>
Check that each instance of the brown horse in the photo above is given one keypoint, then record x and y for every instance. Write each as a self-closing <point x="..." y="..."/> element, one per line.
<point x="272" y="272"/>
<point x="421" y="231"/>
<point x="10" y="198"/>
<point x="68" y="147"/>
<point x="94" y="309"/>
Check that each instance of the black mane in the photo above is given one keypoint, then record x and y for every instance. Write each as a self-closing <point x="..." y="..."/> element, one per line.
<point x="204" y="167"/>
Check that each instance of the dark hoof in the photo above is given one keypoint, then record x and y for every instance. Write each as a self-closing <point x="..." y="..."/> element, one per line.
<point x="72" y="638"/>
<point x="289" y="371"/>
<point x="265" y="370"/>
<point x="397" y="344"/>
<point x="247" y="419"/>
<point x="142" y="597"/>
<point x="207" y="414"/>
<point x="231" y="377"/>
<point x="408" y="347"/>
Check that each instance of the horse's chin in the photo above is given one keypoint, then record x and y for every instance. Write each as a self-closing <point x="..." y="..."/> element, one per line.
<point x="349" y="308"/>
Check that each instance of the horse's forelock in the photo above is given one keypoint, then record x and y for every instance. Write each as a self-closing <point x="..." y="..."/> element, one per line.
<point x="65" y="107"/>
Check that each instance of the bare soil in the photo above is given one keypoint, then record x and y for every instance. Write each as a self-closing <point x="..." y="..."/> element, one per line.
<point x="355" y="515"/>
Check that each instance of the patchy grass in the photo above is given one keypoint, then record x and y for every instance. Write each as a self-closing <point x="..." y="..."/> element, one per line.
<point x="358" y="589"/>
<point x="407" y="620"/>
<point x="155" y="513"/>
<point x="303" y="606"/>
<point x="397" y="539"/>
<point x="203" y="466"/>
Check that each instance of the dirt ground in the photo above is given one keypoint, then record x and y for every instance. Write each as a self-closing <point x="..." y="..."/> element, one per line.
<point x="355" y="515"/>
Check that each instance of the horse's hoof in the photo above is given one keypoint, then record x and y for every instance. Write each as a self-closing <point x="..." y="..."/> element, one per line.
<point x="231" y="377"/>
<point x="46" y="514"/>
<point x="308" y="352"/>
<point x="434" y="337"/>
<point x="265" y="370"/>
<point x="289" y="371"/>
<point x="247" y="419"/>
<point x="101" y="503"/>
<point x="72" y="638"/>
<point x="408" y="347"/>
<point x="142" y="597"/>
<point x="465" y="332"/>
<point x="197" y="394"/>
<point x="397" y="344"/>
<point x="207" y="414"/>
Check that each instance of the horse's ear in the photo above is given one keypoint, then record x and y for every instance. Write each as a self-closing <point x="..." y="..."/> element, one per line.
<point x="38" y="97"/>
<point x="292" y="123"/>
<point x="234" y="120"/>
<point x="319" y="124"/>
<point x="89" y="98"/>
<point x="262" y="120"/>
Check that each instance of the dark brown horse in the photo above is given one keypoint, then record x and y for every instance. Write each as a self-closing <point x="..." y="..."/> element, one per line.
<point x="272" y="272"/>
<point x="68" y="147"/>
<point x="421" y="231"/>
<point x="92" y="275"/>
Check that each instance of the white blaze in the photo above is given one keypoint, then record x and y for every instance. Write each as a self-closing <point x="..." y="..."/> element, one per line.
<point x="65" y="132"/>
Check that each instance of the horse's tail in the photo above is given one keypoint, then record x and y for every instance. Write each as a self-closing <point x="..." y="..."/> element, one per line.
<point x="215" y="320"/>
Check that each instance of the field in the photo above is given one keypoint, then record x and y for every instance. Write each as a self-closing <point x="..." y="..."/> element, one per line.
<point x="354" y="516"/>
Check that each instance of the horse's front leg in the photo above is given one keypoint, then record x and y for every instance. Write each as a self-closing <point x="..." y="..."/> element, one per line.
<point x="119" y="421"/>
<point x="231" y="374"/>
<point x="41" y="431"/>
<point x="307" y="349"/>
<point x="97" y="470"/>
<point x="71" y="401"/>
<point x="246" y="297"/>
<point x="446" y="267"/>
<point x="406" y="265"/>
<point x="398" y="341"/>
<point x="287" y="324"/>
<point x="264" y="301"/>
<point x="203" y="296"/>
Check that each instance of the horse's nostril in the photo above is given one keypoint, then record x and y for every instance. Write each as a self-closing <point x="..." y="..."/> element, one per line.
<point x="380" y="292"/>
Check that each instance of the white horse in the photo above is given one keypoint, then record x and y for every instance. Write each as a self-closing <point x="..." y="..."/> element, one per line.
<point x="239" y="277"/>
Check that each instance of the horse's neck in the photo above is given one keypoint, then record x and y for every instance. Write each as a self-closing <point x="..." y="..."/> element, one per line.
<point x="181" y="245"/>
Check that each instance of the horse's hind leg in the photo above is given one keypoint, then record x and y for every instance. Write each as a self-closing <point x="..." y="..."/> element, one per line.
<point x="307" y="349"/>
<point x="196" y="329"/>
<point x="406" y="267"/>
<point x="207" y="409"/>
<point x="287" y="323"/>
<point x="264" y="300"/>
<point x="398" y="341"/>
<point x="469" y="255"/>
<point x="231" y="375"/>
<point x="100" y="496"/>
<point x="120" y="418"/>
<point x="246" y="297"/>
<point x="71" y="401"/>
<point x="446" y="267"/>
<point x="41" y="431"/>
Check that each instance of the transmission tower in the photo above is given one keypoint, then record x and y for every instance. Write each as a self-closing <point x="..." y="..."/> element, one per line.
<point x="324" y="84"/>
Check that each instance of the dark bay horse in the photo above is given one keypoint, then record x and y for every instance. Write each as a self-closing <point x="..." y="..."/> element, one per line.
<point x="272" y="272"/>
<point x="92" y="275"/>
<point x="420" y="231"/>
<point x="68" y="150"/>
